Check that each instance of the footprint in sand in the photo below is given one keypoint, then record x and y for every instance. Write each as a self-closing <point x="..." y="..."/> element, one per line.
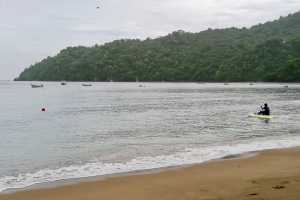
<point x="279" y="187"/>
<point x="252" y="194"/>
<point x="284" y="182"/>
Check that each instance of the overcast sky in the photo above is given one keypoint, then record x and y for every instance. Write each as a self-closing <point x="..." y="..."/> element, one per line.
<point x="31" y="30"/>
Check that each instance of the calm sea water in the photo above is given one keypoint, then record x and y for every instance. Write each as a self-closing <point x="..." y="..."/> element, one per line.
<point x="120" y="127"/>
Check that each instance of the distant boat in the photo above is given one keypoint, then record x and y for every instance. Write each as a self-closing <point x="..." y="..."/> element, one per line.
<point x="86" y="84"/>
<point x="251" y="83"/>
<point x="63" y="82"/>
<point x="286" y="86"/>
<point x="36" y="86"/>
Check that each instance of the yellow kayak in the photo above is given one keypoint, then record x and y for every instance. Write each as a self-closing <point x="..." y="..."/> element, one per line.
<point x="262" y="116"/>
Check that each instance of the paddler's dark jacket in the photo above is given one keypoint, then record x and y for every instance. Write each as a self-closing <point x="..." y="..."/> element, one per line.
<point x="267" y="110"/>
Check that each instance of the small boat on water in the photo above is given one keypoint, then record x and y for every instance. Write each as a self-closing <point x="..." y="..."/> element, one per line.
<point x="36" y="86"/>
<point x="262" y="116"/>
<point x="86" y="84"/>
<point x="63" y="82"/>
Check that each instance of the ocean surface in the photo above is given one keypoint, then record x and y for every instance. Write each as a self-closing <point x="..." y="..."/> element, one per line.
<point x="110" y="128"/>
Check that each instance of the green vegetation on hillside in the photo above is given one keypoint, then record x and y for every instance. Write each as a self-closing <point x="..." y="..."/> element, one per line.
<point x="264" y="52"/>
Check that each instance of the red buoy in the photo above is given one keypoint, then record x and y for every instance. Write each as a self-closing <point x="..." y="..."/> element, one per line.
<point x="43" y="109"/>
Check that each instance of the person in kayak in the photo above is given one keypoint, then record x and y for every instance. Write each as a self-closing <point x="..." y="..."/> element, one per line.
<point x="265" y="110"/>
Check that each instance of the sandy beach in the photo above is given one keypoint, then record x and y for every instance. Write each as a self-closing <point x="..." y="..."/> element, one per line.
<point x="270" y="174"/>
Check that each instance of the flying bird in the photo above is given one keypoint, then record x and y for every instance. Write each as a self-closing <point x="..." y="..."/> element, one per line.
<point x="97" y="7"/>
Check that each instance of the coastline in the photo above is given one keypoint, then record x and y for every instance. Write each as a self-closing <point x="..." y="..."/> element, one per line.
<point x="267" y="174"/>
<point x="72" y="181"/>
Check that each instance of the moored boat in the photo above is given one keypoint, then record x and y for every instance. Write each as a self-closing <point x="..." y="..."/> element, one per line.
<point x="36" y="86"/>
<point x="86" y="84"/>
<point x="63" y="82"/>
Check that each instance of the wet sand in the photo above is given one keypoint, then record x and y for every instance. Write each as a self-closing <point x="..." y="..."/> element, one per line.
<point x="271" y="174"/>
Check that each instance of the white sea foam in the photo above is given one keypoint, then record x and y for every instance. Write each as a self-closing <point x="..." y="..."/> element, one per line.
<point x="187" y="156"/>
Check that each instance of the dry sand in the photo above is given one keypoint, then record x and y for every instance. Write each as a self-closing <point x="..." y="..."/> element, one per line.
<point x="272" y="174"/>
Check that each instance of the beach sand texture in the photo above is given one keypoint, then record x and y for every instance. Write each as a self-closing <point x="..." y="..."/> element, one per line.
<point x="272" y="174"/>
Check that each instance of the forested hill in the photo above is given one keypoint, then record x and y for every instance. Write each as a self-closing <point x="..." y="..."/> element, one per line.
<point x="264" y="52"/>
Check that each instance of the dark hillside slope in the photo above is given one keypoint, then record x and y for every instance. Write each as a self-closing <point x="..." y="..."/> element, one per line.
<point x="256" y="54"/>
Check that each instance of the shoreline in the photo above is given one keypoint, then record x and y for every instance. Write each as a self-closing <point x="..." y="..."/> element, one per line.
<point x="269" y="174"/>
<point x="73" y="181"/>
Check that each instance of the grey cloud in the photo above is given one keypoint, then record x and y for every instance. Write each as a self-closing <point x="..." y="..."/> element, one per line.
<point x="57" y="24"/>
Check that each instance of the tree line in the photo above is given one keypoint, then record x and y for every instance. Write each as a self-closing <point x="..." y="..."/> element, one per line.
<point x="264" y="52"/>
